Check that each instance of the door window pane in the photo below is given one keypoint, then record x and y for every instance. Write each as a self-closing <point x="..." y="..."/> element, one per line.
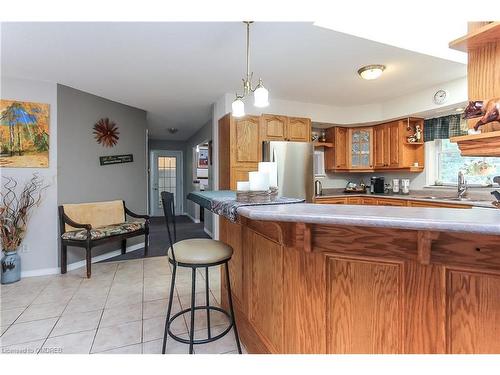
<point x="166" y="176"/>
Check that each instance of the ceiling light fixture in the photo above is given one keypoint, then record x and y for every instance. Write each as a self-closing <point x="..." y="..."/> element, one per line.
<point x="260" y="93"/>
<point x="370" y="72"/>
<point x="172" y="130"/>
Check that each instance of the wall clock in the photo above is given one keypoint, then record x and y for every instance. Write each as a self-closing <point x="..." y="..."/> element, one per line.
<point x="440" y="97"/>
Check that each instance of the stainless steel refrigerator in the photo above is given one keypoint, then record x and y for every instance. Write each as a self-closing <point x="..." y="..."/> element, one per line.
<point x="295" y="167"/>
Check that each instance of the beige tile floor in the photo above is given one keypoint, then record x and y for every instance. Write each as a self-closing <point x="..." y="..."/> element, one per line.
<point x="121" y="309"/>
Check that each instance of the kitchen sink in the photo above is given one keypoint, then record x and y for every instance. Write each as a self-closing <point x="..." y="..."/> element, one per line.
<point x="454" y="198"/>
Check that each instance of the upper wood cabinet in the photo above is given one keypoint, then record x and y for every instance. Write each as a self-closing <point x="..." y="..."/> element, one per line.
<point x="360" y="148"/>
<point x="379" y="147"/>
<point x="240" y="142"/>
<point x="245" y="136"/>
<point x="298" y="129"/>
<point x="273" y="127"/>
<point x="386" y="145"/>
<point x="340" y="149"/>
<point x="283" y="128"/>
<point x="240" y="149"/>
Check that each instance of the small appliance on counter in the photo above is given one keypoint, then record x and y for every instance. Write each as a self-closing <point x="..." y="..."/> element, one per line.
<point x="395" y="185"/>
<point x="352" y="187"/>
<point x="377" y="185"/>
<point x="405" y="186"/>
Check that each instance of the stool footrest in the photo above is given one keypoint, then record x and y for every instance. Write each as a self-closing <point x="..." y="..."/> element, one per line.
<point x="199" y="341"/>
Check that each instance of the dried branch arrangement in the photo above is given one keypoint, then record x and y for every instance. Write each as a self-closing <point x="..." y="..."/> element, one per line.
<point x="15" y="209"/>
<point x="106" y="132"/>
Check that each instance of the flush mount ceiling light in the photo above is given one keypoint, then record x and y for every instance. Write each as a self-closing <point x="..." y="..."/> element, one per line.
<point x="172" y="130"/>
<point x="370" y="72"/>
<point x="260" y="93"/>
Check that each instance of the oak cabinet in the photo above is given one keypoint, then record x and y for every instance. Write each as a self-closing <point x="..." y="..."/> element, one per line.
<point x="381" y="146"/>
<point x="340" y="149"/>
<point x="386" y="145"/>
<point x="386" y="201"/>
<point x="246" y="139"/>
<point x="360" y="141"/>
<point x="239" y="149"/>
<point x="283" y="128"/>
<point x="240" y="142"/>
<point x="393" y="142"/>
<point x="298" y="129"/>
<point x="327" y="200"/>
<point x="392" y="202"/>
<point x="273" y="127"/>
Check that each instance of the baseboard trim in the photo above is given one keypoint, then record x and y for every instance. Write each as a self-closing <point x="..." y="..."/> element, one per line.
<point x="208" y="232"/>
<point x="196" y="221"/>
<point x="81" y="263"/>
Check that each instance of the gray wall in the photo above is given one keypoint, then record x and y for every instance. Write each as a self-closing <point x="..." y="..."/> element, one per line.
<point x="156" y="144"/>
<point x="80" y="177"/>
<point x="202" y="135"/>
<point x="39" y="256"/>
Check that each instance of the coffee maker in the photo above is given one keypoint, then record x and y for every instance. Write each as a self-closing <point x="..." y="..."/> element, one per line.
<point x="377" y="185"/>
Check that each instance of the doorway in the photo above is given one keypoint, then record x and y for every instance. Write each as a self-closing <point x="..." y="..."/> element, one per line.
<point x="166" y="175"/>
<point x="201" y="174"/>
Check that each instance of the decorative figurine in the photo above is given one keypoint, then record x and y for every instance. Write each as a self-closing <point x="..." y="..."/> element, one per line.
<point x="488" y="113"/>
<point x="415" y="137"/>
<point x="323" y="136"/>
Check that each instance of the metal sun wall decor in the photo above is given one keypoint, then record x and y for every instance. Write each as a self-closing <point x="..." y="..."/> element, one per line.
<point x="106" y="132"/>
<point x="24" y="134"/>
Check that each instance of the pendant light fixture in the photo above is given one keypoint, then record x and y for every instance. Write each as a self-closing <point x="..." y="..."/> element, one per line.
<point x="260" y="93"/>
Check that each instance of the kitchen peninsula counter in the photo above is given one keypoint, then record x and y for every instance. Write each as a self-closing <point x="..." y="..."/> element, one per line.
<point x="310" y="278"/>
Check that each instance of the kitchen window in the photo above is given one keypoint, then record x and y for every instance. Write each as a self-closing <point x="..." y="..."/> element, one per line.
<point x="479" y="171"/>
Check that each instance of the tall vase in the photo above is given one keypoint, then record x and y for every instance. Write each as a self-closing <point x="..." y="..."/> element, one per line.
<point x="11" y="267"/>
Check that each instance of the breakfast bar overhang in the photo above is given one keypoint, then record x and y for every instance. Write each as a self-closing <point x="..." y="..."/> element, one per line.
<point x="310" y="278"/>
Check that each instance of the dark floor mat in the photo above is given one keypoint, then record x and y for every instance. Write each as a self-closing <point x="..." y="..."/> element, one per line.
<point x="158" y="238"/>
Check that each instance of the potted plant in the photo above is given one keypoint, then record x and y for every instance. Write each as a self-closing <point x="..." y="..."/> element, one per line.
<point x="15" y="210"/>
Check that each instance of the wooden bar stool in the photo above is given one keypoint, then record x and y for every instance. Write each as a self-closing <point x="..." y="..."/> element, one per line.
<point x="195" y="253"/>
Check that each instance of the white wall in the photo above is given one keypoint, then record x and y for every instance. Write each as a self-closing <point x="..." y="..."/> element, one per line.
<point x="415" y="103"/>
<point x="41" y="256"/>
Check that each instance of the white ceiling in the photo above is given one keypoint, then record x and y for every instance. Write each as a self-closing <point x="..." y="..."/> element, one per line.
<point x="175" y="71"/>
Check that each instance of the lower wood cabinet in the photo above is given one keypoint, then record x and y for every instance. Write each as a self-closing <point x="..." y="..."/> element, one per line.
<point x="378" y="201"/>
<point x="361" y="290"/>
<point x="363" y="296"/>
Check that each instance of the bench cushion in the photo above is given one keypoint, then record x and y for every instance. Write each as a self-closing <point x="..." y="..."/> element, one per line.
<point x="105" y="231"/>
<point x="97" y="214"/>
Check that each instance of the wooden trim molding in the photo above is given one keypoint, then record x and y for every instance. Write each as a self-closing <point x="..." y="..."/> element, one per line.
<point x="424" y="245"/>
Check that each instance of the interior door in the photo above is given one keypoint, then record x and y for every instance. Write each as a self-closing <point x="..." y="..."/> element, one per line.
<point x="166" y="175"/>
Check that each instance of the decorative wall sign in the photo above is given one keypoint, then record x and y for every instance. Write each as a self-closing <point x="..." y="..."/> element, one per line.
<point x="106" y="132"/>
<point x="116" y="159"/>
<point x="24" y="134"/>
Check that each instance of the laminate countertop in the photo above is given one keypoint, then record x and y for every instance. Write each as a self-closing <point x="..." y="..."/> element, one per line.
<point x="474" y="220"/>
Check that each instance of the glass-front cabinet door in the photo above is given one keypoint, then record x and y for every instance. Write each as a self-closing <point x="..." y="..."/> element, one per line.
<point x="361" y="148"/>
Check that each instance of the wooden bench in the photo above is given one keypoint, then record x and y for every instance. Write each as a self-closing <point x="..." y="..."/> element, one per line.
<point x="91" y="224"/>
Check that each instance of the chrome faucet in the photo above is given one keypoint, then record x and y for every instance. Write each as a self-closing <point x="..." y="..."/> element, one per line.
<point x="462" y="185"/>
